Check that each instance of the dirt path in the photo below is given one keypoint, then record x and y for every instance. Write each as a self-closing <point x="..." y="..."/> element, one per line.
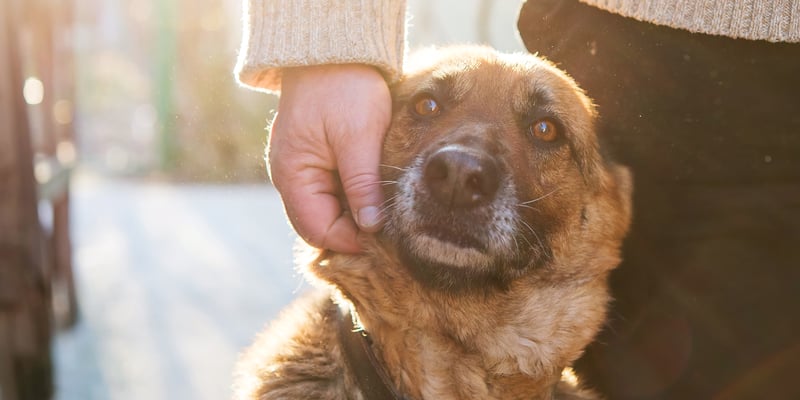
<point x="173" y="282"/>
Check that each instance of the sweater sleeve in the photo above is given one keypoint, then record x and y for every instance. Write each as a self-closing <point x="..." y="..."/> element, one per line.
<point x="771" y="20"/>
<point x="290" y="33"/>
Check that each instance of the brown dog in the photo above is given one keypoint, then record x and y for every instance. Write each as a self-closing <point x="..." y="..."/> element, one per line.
<point x="503" y="222"/>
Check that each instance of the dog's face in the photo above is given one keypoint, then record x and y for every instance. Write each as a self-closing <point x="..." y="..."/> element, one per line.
<point x="495" y="167"/>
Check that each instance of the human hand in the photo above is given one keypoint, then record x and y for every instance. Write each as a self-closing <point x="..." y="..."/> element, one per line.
<point x="325" y="142"/>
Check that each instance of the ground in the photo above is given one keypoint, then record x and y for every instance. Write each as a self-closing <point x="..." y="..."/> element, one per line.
<point x="174" y="281"/>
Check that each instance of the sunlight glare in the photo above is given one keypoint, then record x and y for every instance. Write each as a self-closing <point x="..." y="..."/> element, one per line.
<point x="33" y="91"/>
<point x="65" y="152"/>
<point x="43" y="172"/>
<point x="568" y="375"/>
<point x="62" y="112"/>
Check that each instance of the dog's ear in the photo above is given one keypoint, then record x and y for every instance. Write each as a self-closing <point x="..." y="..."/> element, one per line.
<point x="617" y="194"/>
<point x="607" y="215"/>
<point x="623" y="178"/>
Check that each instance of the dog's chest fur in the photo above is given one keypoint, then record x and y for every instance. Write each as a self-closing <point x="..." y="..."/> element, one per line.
<point x="432" y="356"/>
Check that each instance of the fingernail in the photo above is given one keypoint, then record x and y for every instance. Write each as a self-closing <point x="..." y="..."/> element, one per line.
<point x="368" y="217"/>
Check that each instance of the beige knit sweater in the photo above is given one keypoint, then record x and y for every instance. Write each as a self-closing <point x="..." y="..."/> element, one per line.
<point x="288" y="33"/>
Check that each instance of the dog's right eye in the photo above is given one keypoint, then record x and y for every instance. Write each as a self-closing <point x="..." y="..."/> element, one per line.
<point x="426" y="107"/>
<point x="545" y="129"/>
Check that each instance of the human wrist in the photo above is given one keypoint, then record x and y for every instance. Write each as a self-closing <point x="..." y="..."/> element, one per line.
<point x="292" y="75"/>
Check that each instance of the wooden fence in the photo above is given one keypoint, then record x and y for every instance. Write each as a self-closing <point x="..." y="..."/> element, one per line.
<point x="35" y="135"/>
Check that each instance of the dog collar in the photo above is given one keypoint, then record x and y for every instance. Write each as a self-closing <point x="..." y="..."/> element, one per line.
<point x="371" y="377"/>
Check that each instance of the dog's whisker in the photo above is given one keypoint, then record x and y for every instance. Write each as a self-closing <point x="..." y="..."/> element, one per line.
<point x="528" y="207"/>
<point x="536" y="235"/>
<point x="383" y="183"/>
<point x="390" y="200"/>
<point x="516" y="243"/>
<point x="384" y="211"/>
<point x="387" y="206"/>
<point x="528" y="242"/>
<point x="384" y="208"/>
<point x="394" y="167"/>
<point x="539" y="198"/>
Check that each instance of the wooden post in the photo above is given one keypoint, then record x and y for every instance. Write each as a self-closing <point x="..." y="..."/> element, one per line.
<point x="25" y="331"/>
<point x="165" y="63"/>
<point x="60" y="73"/>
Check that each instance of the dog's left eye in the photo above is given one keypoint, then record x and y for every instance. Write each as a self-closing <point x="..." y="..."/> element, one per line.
<point x="545" y="129"/>
<point x="427" y="107"/>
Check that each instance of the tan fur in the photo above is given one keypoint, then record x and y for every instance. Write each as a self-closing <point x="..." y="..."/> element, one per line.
<point x="506" y="341"/>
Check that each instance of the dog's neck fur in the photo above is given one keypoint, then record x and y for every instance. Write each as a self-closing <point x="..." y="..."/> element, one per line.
<point x="513" y="350"/>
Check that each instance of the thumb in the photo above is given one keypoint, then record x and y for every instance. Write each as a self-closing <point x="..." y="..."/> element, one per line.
<point x="358" y="158"/>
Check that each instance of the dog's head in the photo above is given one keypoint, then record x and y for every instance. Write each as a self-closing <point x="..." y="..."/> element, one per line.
<point x="495" y="171"/>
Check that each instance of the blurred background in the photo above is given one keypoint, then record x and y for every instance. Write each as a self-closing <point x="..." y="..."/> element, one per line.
<point x="141" y="245"/>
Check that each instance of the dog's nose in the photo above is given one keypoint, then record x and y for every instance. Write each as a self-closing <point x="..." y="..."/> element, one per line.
<point x="461" y="179"/>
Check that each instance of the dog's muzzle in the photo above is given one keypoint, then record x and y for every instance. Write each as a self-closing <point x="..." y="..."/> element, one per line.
<point x="455" y="207"/>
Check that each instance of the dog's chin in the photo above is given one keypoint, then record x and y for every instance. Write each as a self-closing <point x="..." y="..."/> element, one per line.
<point x="456" y="263"/>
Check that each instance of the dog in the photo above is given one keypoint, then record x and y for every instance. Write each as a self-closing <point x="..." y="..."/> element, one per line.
<point x="502" y="223"/>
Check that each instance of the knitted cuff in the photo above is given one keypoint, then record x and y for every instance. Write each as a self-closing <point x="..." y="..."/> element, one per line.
<point x="290" y="33"/>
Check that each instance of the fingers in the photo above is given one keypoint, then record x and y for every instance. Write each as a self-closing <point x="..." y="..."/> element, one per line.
<point x="331" y="119"/>
<point x="315" y="212"/>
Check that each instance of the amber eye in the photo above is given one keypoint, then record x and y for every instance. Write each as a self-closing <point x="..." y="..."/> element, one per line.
<point x="545" y="129"/>
<point x="426" y="107"/>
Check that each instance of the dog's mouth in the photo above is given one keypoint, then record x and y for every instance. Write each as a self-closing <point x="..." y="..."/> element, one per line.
<point x="457" y="238"/>
<point x="447" y="246"/>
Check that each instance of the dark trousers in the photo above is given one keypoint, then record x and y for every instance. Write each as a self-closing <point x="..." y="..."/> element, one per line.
<point x="708" y="295"/>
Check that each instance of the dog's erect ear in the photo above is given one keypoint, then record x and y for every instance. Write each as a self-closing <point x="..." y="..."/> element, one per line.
<point x="624" y="181"/>
<point x="609" y="212"/>
<point x="618" y="183"/>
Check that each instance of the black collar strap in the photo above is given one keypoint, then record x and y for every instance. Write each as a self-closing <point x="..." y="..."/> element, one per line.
<point x="371" y="377"/>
